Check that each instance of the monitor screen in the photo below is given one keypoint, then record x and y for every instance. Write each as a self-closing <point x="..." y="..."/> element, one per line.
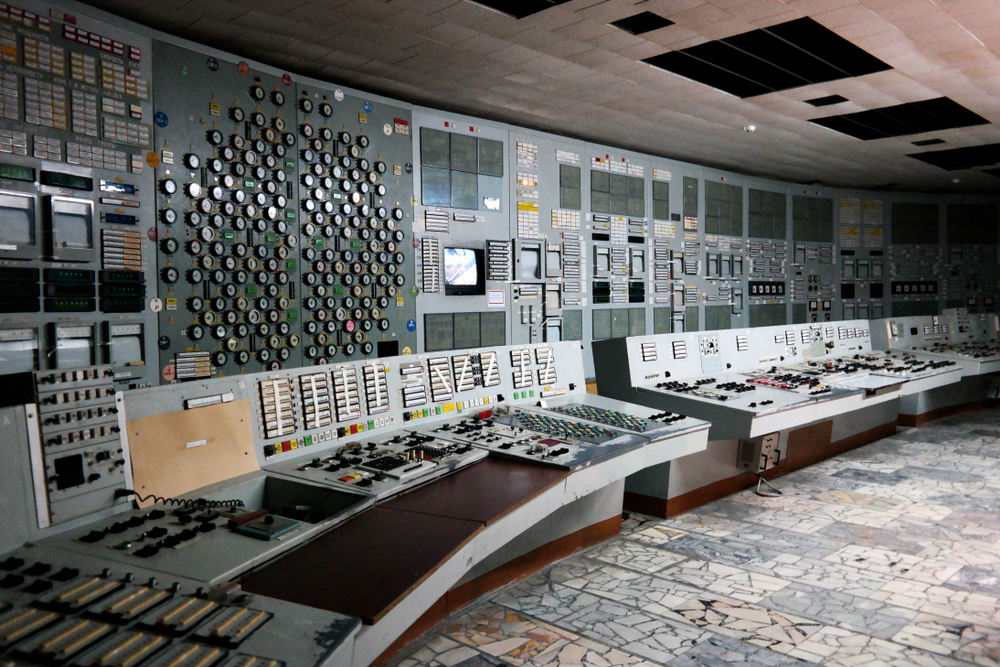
<point x="463" y="271"/>
<point x="460" y="266"/>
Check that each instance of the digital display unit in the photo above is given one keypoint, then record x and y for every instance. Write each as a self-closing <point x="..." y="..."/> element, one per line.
<point x="464" y="272"/>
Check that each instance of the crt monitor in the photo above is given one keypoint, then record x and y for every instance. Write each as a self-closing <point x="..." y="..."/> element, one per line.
<point x="464" y="271"/>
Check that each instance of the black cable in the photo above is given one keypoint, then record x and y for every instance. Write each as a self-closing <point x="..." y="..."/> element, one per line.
<point x="200" y="503"/>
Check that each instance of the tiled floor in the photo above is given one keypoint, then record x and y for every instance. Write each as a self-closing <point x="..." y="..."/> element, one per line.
<point x="887" y="555"/>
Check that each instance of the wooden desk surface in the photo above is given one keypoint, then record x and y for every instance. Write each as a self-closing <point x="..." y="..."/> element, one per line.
<point x="483" y="492"/>
<point x="365" y="566"/>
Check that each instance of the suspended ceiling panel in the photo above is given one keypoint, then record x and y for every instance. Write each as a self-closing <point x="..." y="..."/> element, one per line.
<point x="576" y="67"/>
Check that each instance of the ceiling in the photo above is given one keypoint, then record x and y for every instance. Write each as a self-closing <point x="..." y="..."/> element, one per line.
<point x="565" y="69"/>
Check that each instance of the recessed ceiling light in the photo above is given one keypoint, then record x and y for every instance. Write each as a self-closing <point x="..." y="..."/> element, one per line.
<point x="518" y="8"/>
<point x="940" y="113"/>
<point x="826" y="101"/>
<point x="783" y="56"/>
<point x="642" y="23"/>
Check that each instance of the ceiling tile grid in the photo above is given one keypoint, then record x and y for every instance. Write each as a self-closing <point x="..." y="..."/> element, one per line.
<point x="565" y="67"/>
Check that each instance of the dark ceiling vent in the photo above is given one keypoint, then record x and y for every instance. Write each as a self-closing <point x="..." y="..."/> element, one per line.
<point x="884" y="186"/>
<point x="788" y="55"/>
<point x="519" y="9"/>
<point x="962" y="158"/>
<point x="810" y="182"/>
<point x="928" y="142"/>
<point x="899" y="120"/>
<point x="826" y="101"/>
<point x="642" y="23"/>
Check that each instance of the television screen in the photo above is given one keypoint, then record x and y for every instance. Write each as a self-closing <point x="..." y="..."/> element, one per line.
<point x="464" y="272"/>
<point x="460" y="267"/>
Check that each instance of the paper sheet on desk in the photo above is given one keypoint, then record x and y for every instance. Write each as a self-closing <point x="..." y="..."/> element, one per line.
<point x="869" y="382"/>
<point x="178" y="452"/>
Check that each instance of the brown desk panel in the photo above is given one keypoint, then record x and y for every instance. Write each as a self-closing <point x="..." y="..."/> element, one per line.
<point x="364" y="567"/>
<point x="483" y="492"/>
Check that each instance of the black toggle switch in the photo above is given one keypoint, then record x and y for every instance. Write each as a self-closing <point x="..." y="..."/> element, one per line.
<point x="38" y="569"/>
<point x="38" y="586"/>
<point x="65" y="574"/>
<point x="12" y="563"/>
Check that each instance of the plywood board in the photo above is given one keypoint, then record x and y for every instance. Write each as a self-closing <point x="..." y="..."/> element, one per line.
<point x="178" y="452"/>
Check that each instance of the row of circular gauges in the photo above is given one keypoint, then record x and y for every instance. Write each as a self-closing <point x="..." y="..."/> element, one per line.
<point x="218" y="268"/>
<point x="271" y="359"/>
<point x="366" y="313"/>
<point x="276" y="351"/>
<point x="257" y="256"/>
<point x="319" y="354"/>
<point x="306" y="105"/>
<point x="228" y="193"/>
<point x="270" y="330"/>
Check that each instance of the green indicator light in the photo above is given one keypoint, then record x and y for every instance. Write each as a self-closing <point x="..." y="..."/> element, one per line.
<point x="290" y="264"/>
<point x="294" y="315"/>
<point x="438" y="410"/>
<point x="371" y="424"/>
<point x="308" y="440"/>
<point x="289" y="164"/>
<point x="271" y="238"/>
<point x="251" y="289"/>
<point x="289" y="215"/>
<point x="532" y="393"/>
<point x="355" y="244"/>
<point x="318" y="243"/>
<point x="338" y="290"/>
<point x="248" y="184"/>
<point x="228" y="235"/>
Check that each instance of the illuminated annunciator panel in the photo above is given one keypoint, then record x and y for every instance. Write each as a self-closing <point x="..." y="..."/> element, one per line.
<point x="316" y="406"/>
<point x="277" y="409"/>
<point x="521" y="360"/>
<point x="376" y="387"/>
<point x="346" y="395"/>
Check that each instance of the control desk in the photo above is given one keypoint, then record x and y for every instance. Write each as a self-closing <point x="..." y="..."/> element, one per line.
<point x="750" y="382"/>
<point x="970" y="341"/>
<point x="264" y="463"/>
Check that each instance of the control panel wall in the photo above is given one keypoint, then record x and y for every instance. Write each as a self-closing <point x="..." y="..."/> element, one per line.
<point x="77" y="259"/>
<point x="227" y="144"/>
<point x="463" y="169"/>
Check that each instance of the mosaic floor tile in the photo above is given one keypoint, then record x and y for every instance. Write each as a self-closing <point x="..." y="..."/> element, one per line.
<point x="719" y="550"/>
<point x="723" y="651"/>
<point x="841" y="610"/>
<point x="656" y="534"/>
<point x="887" y="556"/>
<point x="586" y="652"/>
<point x="962" y="605"/>
<point x="725" y="580"/>
<point x="635" y="555"/>
<point x="757" y="625"/>
<point x="823" y="574"/>
<point x="703" y="524"/>
<point x="815" y="545"/>
<point x="505" y="634"/>
<point x="836" y="647"/>
<point x="799" y="523"/>
<point x="954" y="638"/>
